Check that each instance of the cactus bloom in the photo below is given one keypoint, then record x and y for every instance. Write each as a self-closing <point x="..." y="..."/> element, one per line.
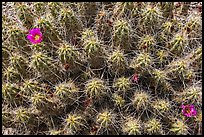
<point x="35" y="36"/>
<point x="135" y="78"/>
<point x="189" y="110"/>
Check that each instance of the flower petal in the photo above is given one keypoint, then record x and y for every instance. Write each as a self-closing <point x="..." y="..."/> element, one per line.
<point x="183" y="106"/>
<point x="30" y="37"/>
<point x="32" y="33"/>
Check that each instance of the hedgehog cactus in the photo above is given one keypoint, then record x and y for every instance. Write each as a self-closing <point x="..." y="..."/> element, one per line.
<point x="142" y="63"/>
<point x="141" y="100"/>
<point x="121" y="34"/>
<point x="74" y="122"/>
<point x="69" y="19"/>
<point x="117" y="62"/>
<point x="153" y="126"/>
<point x="102" y="68"/>
<point x="161" y="106"/>
<point x="95" y="88"/>
<point x="66" y="91"/>
<point x="22" y="116"/>
<point x="40" y="61"/>
<point x="122" y="84"/>
<point x="11" y="74"/>
<point x="132" y="126"/>
<point x="9" y="91"/>
<point x="25" y="15"/>
<point x="106" y="120"/>
<point x="30" y="87"/>
<point x="67" y="53"/>
<point x="179" y="128"/>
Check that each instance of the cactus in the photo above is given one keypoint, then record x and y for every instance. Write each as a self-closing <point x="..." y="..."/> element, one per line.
<point x="190" y="95"/>
<point x="132" y="126"/>
<point x="141" y="100"/>
<point x="74" y="122"/>
<point x="47" y="28"/>
<point x="177" y="43"/>
<point x="146" y="43"/>
<point x="25" y="14"/>
<point x="117" y="62"/>
<point x="11" y="74"/>
<point x="161" y="106"/>
<point x="95" y="88"/>
<point x="19" y="63"/>
<point x="17" y="38"/>
<point x="151" y="14"/>
<point x="106" y="120"/>
<point x="39" y="8"/>
<point x="40" y="61"/>
<point x="142" y="63"/>
<point x="179" y="128"/>
<point x="121" y="34"/>
<point x="119" y="101"/>
<point x="6" y="116"/>
<point x="70" y="20"/>
<point x="54" y="8"/>
<point x="67" y="54"/>
<point x="93" y="50"/>
<point x="122" y="84"/>
<point x="22" y="116"/>
<point x="102" y="68"/>
<point x="153" y="126"/>
<point x="10" y="91"/>
<point x="30" y="87"/>
<point x="88" y="11"/>
<point x="66" y="91"/>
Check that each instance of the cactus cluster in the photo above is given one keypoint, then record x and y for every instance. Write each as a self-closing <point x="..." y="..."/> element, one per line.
<point x="102" y="68"/>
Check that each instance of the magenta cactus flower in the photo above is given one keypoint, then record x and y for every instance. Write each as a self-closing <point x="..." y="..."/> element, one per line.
<point x="189" y="110"/>
<point x="35" y="36"/>
<point x="135" y="78"/>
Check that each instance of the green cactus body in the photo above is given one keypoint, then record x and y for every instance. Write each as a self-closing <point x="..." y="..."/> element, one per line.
<point x="161" y="107"/>
<point x="95" y="88"/>
<point x="117" y="62"/>
<point x="39" y="8"/>
<point x="119" y="101"/>
<point x="19" y="63"/>
<point x="179" y="128"/>
<point x="67" y="91"/>
<point x="74" y="122"/>
<point x="106" y="120"/>
<point x="72" y="23"/>
<point x="40" y="61"/>
<point x="121" y="34"/>
<point x="11" y="74"/>
<point x="132" y="126"/>
<point x="54" y="7"/>
<point x="122" y="84"/>
<point x="9" y="91"/>
<point x="30" y="87"/>
<point x="142" y="61"/>
<point x="67" y="54"/>
<point x="48" y="30"/>
<point x="25" y="15"/>
<point x="146" y="43"/>
<point x="17" y="37"/>
<point x="102" y="68"/>
<point x="141" y="100"/>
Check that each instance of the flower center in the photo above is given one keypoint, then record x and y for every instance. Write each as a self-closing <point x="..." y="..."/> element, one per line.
<point x="37" y="37"/>
<point x="187" y="110"/>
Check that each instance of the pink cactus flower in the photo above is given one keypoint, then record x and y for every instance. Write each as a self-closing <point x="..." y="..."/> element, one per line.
<point x="189" y="110"/>
<point x="135" y="78"/>
<point x="35" y="36"/>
